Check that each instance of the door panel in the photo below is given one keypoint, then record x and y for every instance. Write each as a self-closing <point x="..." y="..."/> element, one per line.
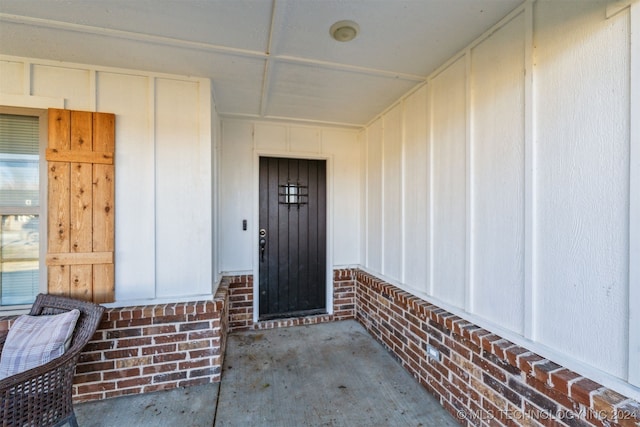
<point x="292" y="251"/>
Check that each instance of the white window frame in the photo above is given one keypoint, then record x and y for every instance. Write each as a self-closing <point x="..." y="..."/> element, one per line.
<point x="42" y="267"/>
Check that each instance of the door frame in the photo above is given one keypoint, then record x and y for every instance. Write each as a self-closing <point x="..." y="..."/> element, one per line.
<point x="256" y="221"/>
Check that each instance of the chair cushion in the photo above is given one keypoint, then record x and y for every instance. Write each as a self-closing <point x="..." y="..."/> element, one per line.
<point x="35" y="340"/>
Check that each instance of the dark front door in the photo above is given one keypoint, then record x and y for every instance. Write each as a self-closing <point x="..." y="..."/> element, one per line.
<point x="292" y="237"/>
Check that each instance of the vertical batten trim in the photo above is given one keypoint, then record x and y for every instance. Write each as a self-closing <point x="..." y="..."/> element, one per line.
<point x="216" y="138"/>
<point x="383" y="207"/>
<point x="363" y="195"/>
<point x="26" y="78"/>
<point x="634" y="197"/>
<point x="206" y="146"/>
<point x="430" y="214"/>
<point x="366" y="189"/>
<point x="469" y="202"/>
<point x="428" y="190"/>
<point x="93" y="91"/>
<point x="403" y="190"/>
<point x="529" y="179"/>
<point x="151" y="111"/>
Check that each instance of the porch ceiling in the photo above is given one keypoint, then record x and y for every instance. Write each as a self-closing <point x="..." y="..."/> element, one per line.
<point x="266" y="58"/>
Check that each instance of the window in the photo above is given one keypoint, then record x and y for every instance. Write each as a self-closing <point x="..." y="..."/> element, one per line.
<point x="73" y="256"/>
<point x="20" y="205"/>
<point x="293" y="194"/>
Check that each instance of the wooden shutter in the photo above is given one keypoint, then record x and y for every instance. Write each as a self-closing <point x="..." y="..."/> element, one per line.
<point x="81" y="215"/>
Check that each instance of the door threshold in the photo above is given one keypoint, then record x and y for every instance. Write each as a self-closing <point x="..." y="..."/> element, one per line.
<point x="287" y="322"/>
<point x="291" y="314"/>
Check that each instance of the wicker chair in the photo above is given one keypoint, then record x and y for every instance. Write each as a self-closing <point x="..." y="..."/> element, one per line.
<point x="41" y="396"/>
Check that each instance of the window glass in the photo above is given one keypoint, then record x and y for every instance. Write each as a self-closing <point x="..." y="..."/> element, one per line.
<point x="19" y="209"/>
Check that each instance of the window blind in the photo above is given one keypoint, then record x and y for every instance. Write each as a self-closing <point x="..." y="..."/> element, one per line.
<point x="19" y="209"/>
<point x="19" y="174"/>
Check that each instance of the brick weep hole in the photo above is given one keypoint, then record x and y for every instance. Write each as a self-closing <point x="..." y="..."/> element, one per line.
<point x="481" y="379"/>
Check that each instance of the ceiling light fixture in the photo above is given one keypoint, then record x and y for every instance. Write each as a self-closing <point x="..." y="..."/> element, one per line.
<point x="344" y="31"/>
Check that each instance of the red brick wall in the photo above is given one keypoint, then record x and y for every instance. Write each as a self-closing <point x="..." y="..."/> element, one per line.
<point x="344" y="294"/>
<point x="164" y="346"/>
<point x="241" y="304"/>
<point x="482" y="379"/>
<point x="157" y="347"/>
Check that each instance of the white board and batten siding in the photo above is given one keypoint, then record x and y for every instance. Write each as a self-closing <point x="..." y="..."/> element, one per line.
<point x="582" y="165"/>
<point x="243" y="142"/>
<point x="392" y="191"/>
<point x="496" y="184"/>
<point x="524" y="190"/>
<point x="346" y="168"/>
<point x="448" y="183"/>
<point x="374" y="197"/>
<point x="236" y="197"/>
<point x="163" y="167"/>
<point x="415" y="188"/>
<point x="505" y="189"/>
<point x="183" y="172"/>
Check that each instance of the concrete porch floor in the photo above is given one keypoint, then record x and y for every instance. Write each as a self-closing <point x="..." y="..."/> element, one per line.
<point x="331" y="374"/>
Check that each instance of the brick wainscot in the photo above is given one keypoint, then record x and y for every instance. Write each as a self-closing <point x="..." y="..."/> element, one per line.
<point x="241" y="304"/>
<point x="148" y="348"/>
<point x="480" y="378"/>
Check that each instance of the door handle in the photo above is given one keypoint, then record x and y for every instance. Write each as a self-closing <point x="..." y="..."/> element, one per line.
<point x="263" y="243"/>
